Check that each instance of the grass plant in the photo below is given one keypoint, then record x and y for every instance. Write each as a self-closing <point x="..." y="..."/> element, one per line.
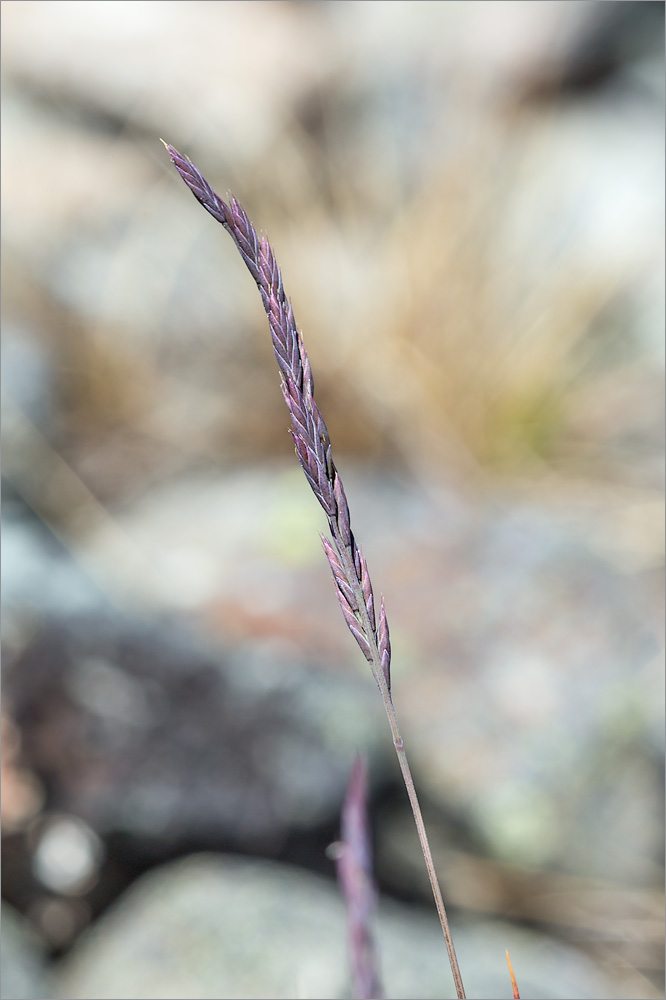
<point x="368" y="625"/>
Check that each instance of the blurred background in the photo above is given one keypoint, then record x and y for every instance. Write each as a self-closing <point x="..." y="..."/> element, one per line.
<point x="467" y="203"/>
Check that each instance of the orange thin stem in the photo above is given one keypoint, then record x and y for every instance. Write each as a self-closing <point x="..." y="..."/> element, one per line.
<point x="514" y="984"/>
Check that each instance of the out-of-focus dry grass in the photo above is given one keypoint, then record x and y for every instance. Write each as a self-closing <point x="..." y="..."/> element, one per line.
<point x="476" y="332"/>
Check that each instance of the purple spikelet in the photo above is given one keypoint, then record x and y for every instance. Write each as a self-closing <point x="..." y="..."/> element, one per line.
<point x="308" y="430"/>
<point x="384" y="644"/>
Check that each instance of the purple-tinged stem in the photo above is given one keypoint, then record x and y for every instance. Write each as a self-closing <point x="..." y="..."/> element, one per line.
<point x="353" y="855"/>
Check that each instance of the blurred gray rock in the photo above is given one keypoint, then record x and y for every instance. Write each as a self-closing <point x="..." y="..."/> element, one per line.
<point x="22" y="961"/>
<point x="526" y="657"/>
<point x="137" y="728"/>
<point x="28" y="376"/>
<point x="214" y="926"/>
<point x="40" y="576"/>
